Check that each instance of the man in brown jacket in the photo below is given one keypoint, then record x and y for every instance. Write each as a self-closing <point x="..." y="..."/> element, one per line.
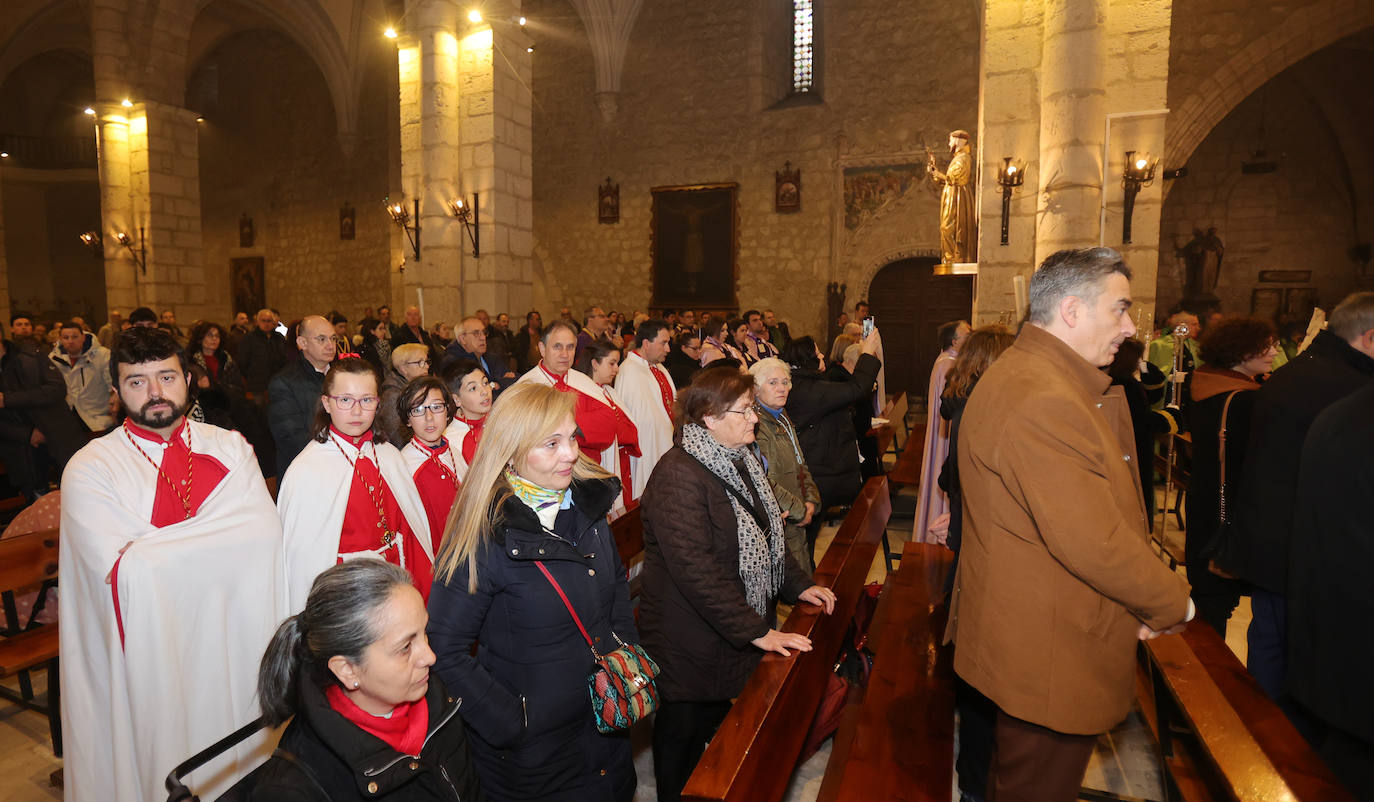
<point x="1056" y="578"/>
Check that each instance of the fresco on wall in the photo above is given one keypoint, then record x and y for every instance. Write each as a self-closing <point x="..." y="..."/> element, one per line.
<point x="868" y="190"/>
<point x="694" y="246"/>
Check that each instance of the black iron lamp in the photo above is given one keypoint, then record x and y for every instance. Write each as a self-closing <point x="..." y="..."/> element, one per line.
<point x="139" y="255"/>
<point x="1140" y="172"/>
<point x="467" y="215"/>
<point x="1010" y="175"/>
<point x="400" y="215"/>
<point x="91" y="239"/>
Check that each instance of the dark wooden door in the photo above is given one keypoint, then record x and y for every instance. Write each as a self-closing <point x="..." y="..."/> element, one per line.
<point x="909" y="304"/>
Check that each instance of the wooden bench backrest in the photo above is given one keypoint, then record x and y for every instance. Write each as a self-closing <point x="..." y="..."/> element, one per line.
<point x="1244" y="747"/>
<point x="898" y="415"/>
<point x="898" y="742"/>
<point x="753" y="753"/>
<point x="628" y="531"/>
<point x="27" y="560"/>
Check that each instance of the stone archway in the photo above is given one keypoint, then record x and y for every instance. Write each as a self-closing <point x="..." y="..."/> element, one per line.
<point x="1307" y="30"/>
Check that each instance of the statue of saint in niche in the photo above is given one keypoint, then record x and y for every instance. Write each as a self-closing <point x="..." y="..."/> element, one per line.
<point x="958" y="218"/>
<point x="1202" y="260"/>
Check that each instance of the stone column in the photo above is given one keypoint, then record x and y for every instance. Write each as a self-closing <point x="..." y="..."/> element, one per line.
<point x="497" y="163"/>
<point x="149" y="171"/>
<point x="1073" y="96"/>
<point x="428" y="69"/>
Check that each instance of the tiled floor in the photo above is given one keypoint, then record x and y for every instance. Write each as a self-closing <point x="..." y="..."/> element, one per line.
<point x="1123" y="763"/>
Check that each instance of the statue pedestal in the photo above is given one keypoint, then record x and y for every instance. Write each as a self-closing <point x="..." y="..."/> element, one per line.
<point x="956" y="269"/>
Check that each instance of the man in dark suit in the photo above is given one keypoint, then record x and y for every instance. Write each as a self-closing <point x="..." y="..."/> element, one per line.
<point x="470" y="342"/>
<point x="38" y="431"/>
<point x="261" y="354"/>
<point x="413" y="331"/>
<point x="295" y="391"/>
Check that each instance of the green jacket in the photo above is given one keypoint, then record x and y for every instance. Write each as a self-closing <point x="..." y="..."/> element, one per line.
<point x="787" y="472"/>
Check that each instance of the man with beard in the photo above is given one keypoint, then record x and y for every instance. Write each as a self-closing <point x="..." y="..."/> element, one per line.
<point x="172" y="581"/>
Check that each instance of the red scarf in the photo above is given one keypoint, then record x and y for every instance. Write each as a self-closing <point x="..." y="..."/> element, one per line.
<point x="663" y="388"/>
<point x="560" y="383"/>
<point x="472" y="438"/>
<point x="404" y="730"/>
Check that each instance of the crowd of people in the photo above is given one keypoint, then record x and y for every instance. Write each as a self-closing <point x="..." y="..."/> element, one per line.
<point x="436" y="577"/>
<point x="407" y="534"/>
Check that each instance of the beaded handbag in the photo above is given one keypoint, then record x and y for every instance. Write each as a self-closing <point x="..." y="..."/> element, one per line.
<point x="622" y="688"/>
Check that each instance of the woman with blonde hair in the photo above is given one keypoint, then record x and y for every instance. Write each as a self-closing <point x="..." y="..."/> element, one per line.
<point x="528" y="527"/>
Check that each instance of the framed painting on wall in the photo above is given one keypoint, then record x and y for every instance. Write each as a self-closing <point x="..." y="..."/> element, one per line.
<point x="694" y="242"/>
<point x="1299" y="302"/>
<point x="246" y="285"/>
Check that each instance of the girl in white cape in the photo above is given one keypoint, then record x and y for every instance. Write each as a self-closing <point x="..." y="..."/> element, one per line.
<point x="348" y="494"/>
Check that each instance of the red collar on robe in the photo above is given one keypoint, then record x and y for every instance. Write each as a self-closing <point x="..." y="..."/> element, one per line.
<point x="404" y="730"/>
<point x="436" y="480"/>
<point x="468" y="448"/>
<point x="205" y="476"/>
<point x="560" y="383"/>
<point x="664" y="389"/>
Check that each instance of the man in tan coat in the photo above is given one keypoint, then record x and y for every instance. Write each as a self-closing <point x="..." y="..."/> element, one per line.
<point x="1056" y="578"/>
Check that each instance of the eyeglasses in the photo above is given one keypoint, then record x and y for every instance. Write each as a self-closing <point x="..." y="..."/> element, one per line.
<point x="346" y="402"/>
<point x="416" y="363"/>
<point x="746" y="412"/>
<point x="426" y="409"/>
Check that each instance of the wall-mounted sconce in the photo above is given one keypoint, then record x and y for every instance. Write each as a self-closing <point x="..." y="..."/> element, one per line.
<point x="467" y="215"/>
<point x="400" y="215"/>
<point x="91" y="239"/>
<point x="1009" y="176"/>
<point x="1140" y="172"/>
<point x="139" y="255"/>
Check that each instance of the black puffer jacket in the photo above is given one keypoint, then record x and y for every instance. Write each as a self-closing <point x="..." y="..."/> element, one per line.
<point x="335" y="761"/>
<point x="525" y="693"/>
<point x="696" y="622"/>
<point x="820" y="409"/>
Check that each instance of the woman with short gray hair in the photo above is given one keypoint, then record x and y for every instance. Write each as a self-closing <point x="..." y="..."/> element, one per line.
<point x="797" y="493"/>
<point x="352" y="668"/>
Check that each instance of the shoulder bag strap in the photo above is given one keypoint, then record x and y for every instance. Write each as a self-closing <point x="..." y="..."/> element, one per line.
<point x="1221" y="456"/>
<point x="568" y="605"/>
<point x="305" y="770"/>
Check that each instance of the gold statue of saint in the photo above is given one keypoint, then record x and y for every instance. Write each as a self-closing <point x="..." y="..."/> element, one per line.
<point x="958" y="220"/>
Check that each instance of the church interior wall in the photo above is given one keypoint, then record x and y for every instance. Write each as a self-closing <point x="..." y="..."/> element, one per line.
<point x="1307" y="213"/>
<point x="269" y="148"/>
<point x="698" y="104"/>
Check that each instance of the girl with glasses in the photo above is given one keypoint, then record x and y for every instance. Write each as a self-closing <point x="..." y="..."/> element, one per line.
<point x="434" y="462"/>
<point x="349" y="495"/>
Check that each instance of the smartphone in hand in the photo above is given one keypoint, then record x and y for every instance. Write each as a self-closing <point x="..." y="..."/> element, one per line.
<point x="868" y="326"/>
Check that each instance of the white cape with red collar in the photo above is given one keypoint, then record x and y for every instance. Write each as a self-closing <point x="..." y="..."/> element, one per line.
<point x="199" y="600"/>
<point x="643" y="402"/>
<point x="312" y="502"/>
<point x="415" y="459"/>
<point x="583" y="384"/>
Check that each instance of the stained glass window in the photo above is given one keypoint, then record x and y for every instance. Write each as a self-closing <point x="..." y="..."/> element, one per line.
<point x="803" y="45"/>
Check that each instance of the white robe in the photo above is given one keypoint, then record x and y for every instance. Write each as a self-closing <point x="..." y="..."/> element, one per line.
<point x="199" y="601"/>
<point x="456" y="431"/>
<point x="642" y="400"/>
<point x="314" y="498"/>
<point x="931" y="501"/>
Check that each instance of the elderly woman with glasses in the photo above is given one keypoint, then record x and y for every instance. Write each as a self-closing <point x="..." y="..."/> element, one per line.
<point x="715" y="566"/>
<point x="797" y="493"/>
<point x="348" y="495"/>
<point x="409" y="361"/>
<point x="436" y="465"/>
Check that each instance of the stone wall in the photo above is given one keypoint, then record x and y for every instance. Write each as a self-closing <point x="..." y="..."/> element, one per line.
<point x="269" y="148"/>
<point x="696" y="106"/>
<point x="54" y="276"/>
<point x="1306" y="214"/>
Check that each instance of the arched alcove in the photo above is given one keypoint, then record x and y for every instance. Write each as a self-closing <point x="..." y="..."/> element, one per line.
<point x="909" y="303"/>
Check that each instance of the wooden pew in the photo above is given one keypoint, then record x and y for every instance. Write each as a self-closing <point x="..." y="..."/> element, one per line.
<point x="892" y="436"/>
<point x="1220" y="736"/>
<point x="752" y="755"/>
<point x="897" y="741"/>
<point x="628" y="531"/>
<point x="907" y="470"/>
<point x="27" y="562"/>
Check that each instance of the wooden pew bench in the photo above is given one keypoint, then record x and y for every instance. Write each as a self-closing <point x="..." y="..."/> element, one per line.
<point x="26" y="563"/>
<point x="907" y="469"/>
<point x="628" y="531"/>
<point x="1220" y="736"/>
<point x="886" y="433"/>
<point x="753" y="753"/>
<point x="897" y="740"/>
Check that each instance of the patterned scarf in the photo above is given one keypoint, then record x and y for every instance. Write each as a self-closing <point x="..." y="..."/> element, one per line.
<point x="760" y="553"/>
<point x="545" y="502"/>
